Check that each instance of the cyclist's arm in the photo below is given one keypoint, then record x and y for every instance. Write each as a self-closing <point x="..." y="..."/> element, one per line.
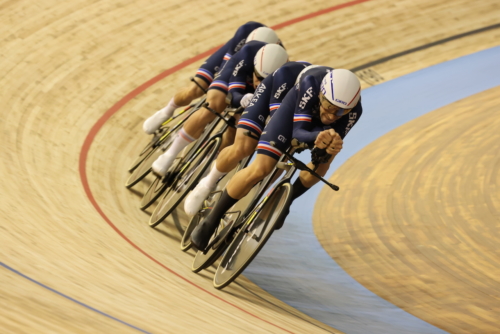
<point x="345" y="124"/>
<point x="242" y="69"/>
<point x="282" y="84"/>
<point x="307" y="98"/>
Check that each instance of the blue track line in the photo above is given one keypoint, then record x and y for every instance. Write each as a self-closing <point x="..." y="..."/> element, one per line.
<point x="72" y="299"/>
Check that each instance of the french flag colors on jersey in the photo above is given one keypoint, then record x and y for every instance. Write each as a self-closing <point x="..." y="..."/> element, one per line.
<point x="250" y="125"/>
<point x="302" y="118"/>
<point x="265" y="148"/>
<point x="220" y="85"/>
<point x="236" y="85"/>
<point x="273" y="107"/>
<point x="206" y="74"/>
<point x="227" y="56"/>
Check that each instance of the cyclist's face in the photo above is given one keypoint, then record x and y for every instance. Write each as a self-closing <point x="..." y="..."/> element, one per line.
<point x="328" y="112"/>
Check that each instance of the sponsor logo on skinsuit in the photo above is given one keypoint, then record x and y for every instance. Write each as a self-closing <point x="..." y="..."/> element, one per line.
<point x="307" y="96"/>
<point x="280" y="90"/>
<point x="237" y="67"/>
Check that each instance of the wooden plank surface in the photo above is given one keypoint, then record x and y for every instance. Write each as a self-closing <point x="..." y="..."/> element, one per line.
<point x="64" y="64"/>
<point x="418" y="219"/>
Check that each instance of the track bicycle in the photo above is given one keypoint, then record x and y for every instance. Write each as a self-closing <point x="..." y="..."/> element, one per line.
<point x="230" y="222"/>
<point x="161" y="183"/>
<point x="194" y="167"/>
<point x="258" y="226"/>
<point x="161" y="141"/>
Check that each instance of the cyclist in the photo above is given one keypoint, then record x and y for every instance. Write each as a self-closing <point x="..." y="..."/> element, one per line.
<point x="241" y="74"/>
<point x="265" y="101"/>
<point x="320" y="110"/>
<point x="204" y="76"/>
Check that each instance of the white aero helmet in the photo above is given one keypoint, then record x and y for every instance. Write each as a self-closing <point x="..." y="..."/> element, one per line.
<point x="268" y="59"/>
<point x="299" y="77"/>
<point x="263" y="34"/>
<point x="341" y="88"/>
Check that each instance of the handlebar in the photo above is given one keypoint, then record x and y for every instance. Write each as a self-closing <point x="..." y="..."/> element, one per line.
<point x="302" y="166"/>
<point x="319" y="156"/>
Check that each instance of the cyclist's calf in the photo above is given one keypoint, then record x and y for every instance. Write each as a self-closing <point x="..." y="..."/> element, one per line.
<point x="195" y="125"/>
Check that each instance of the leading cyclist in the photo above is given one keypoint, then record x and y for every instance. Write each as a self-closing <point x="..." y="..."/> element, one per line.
<point x="321" y="109"/>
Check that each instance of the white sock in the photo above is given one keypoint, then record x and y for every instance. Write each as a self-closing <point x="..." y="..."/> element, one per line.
<point x="168" y="111"/>
<point x="180" y="142"/>
<point x="214" y="176"/>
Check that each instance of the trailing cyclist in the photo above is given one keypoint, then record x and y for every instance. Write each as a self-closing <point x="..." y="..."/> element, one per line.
<point x="204" y="76"/>
<point x="241" y="74"/>
<point x="320" y="110"/>
<point x="263" y="103"/>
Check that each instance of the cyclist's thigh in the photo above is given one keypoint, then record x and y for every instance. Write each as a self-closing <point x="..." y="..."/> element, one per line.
<point x="207" y="70"/>
<point x="244" y="143"/>
<point x="277" y="135"/>
<point x="216" y="99"/>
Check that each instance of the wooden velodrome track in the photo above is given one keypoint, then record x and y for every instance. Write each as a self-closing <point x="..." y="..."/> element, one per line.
<point x="68" y="224"/>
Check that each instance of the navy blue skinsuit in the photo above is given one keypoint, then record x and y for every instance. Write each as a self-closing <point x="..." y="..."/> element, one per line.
<point x="237" y="75"/>
<point x="299" y="117"/>
<point x="217" y="60"/>
<point x="269" y="95"/>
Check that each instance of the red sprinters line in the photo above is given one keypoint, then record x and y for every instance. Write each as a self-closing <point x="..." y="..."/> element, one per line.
<point x="318" y="13"/>
<point x="117" y="106"/>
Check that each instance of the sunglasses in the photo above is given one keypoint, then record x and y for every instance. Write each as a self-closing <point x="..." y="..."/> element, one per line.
<point x="331" y="108"/>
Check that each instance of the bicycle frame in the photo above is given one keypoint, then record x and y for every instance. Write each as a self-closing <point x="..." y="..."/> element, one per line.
<point x="194" y="108"/>
<point x="291" y="167"/>
<point x="206" y="137"/>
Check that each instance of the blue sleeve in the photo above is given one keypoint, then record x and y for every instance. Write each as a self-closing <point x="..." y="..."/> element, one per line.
<point x="307" y="100"/>
<point x="283" y="81"/>
<point x="243" y="61"/>
<point x="346" y="122"/>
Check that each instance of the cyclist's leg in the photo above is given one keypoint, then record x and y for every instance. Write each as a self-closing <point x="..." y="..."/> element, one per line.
<point x="229" y="157"/>
<point x="253" y="120"/>
<point x="186" y="95"/>
<point x="227" y="160"/>
<point x="309" y="180"/>
<point x="243" y="181"/>
<point x="277" y="131"/>
<point x="204" y="77"/>
<point x="192" y="130"/>
<point x="303" y="183"/>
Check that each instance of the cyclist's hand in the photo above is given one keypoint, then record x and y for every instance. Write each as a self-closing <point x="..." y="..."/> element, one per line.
<point x="324" y="138"/>
<point x="335" y="145"/>
<point x="245" y="100"/>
